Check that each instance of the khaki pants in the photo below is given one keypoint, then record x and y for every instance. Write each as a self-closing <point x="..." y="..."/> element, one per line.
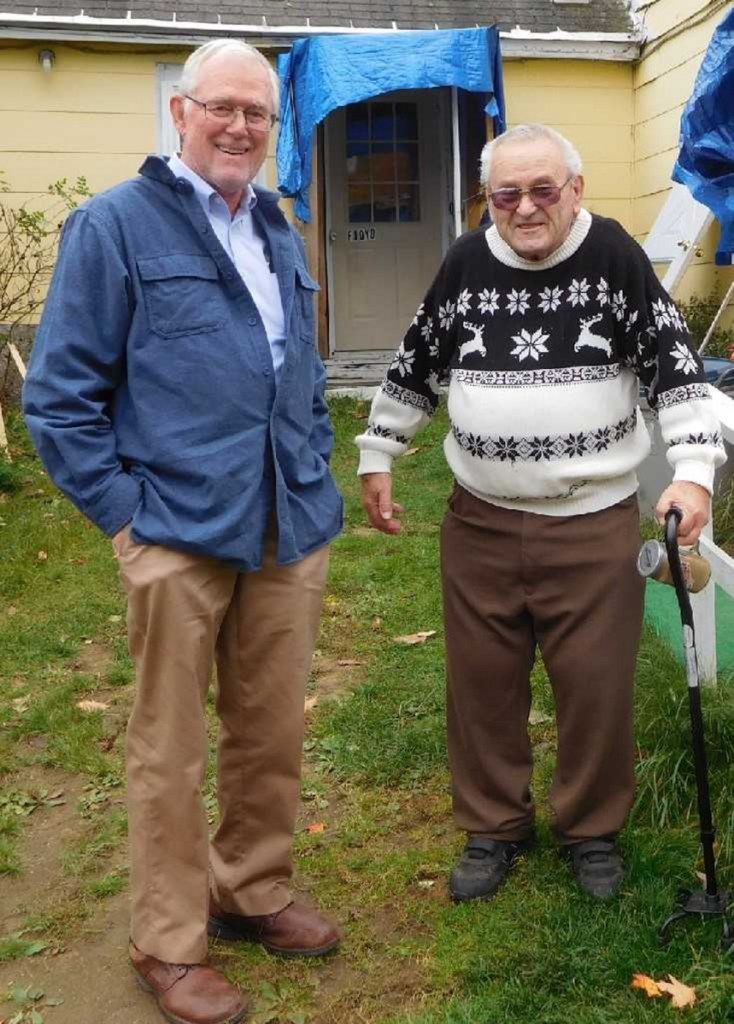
<point x="513" y="580"/>
<point x="184" y="613"/>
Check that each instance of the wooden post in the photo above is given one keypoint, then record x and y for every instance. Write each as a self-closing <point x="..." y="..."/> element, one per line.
<point x="17" y="359"/>
<point x="20" y="366"/>
<point x="4" y="437"/>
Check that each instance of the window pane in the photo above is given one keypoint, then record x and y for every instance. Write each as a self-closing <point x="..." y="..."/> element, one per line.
<point x="360" y="207"/>
<point x="383" y="161"/>
<point x="409" y="203"/>
<point x="407" y="159"/>
<point x="406" y="121"/>
<point x="358" y="161"/>
<point x="385" y="202"/>
<point x="383" y="121"/>
<point x="358" y="121"/>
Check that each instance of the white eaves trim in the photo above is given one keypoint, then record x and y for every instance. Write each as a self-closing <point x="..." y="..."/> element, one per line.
<point x="615" y="46"/>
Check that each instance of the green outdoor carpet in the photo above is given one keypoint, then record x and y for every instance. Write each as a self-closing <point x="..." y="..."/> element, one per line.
<point x="663" y="614"/>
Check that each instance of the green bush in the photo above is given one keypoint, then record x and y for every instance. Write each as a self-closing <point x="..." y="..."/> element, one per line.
<point x="699" y="313"/>
<point x="10" y="476"/>
<point x="29" y="236"/>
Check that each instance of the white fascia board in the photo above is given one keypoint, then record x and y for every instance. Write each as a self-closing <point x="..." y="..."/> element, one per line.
<point x="517" y="43"/>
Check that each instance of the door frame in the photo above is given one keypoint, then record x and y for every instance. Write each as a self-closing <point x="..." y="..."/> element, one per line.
<point x="446" y="156"/>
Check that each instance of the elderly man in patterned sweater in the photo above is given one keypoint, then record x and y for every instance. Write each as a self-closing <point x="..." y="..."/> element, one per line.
<point x="544" y="324"/>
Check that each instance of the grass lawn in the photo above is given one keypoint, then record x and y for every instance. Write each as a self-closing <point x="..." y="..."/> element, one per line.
<point x="375" y="839"/>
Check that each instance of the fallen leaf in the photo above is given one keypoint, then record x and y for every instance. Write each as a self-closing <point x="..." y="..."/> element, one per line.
<point x="681" y="995"/>
<point x="20" y="704"/>
<point x="377" y="622"/>
<point x="311" y="702"/>
<point x="316" y="827"/>
<point x="410" y="451"/>
<point x="538" y="717"/>
<point x="12" y="610"/>
<point x="92" y="705"/>
<point x="347" y="662"/>
<point x="648" y="985"/>
<point x="42" y="556"/>
<point x="427" y="883"/>
<point x="87" y="642"/>
<point x="114" y="618"/>
<point x="415" y="638"/>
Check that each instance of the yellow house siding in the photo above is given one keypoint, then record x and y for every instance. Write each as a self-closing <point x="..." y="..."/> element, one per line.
<point x="591" y="103"/>
<point x="94" y="114"/>
<point x="663" y="80"/>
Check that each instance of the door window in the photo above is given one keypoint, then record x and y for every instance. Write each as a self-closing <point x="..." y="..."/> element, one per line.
<point x="383" y="179"/>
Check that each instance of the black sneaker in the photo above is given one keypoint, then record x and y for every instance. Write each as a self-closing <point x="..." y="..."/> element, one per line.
<point x="482" y="867"/>
<point x="597" y="866"/>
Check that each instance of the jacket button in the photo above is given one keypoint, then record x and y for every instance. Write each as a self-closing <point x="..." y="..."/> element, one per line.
<point x="252" y="321"/>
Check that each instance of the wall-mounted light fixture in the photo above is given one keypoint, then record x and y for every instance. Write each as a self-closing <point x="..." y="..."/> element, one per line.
<point x="47" y="59"/>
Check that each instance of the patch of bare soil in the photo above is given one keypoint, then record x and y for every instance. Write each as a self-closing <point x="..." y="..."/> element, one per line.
<point x="91" y="975"/>
<point x="93" y="659"/>
<point x="332" y="678"/>
<point x="45" y="834"/>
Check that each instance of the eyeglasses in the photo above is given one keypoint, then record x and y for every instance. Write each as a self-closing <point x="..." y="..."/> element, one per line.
<point x="540" y="195"/>
<point x="255" y="119"/>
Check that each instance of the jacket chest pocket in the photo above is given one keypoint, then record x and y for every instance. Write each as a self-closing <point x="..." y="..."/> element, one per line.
<point x="182" y="294"/>
<point x="306" y="290"/>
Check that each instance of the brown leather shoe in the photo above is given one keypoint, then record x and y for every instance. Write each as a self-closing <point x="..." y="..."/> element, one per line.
<point x="297" y="930"/>
<point x="188" y="993"/>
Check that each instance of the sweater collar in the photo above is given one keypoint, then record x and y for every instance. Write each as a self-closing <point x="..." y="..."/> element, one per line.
<point x="505" y="254"/>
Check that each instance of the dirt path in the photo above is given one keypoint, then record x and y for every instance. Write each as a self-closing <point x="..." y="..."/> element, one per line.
<point x="89" y="969"/>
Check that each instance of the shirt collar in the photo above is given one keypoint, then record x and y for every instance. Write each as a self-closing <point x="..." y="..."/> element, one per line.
<point x="204" y="191"/>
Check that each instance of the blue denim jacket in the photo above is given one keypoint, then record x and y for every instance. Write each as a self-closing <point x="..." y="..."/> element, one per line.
<point x="151" y="395"/>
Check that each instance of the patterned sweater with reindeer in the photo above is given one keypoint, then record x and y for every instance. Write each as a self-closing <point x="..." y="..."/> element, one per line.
<point x="544" y="361"/>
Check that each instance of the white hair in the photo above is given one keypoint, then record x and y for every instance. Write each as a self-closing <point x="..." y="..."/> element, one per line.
<point x="529" y="133"/>
<point x="218" y="47"/>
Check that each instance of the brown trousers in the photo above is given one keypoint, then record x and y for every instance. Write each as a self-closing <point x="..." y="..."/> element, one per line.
<point x="184" y="613"/>
<point x="513" y="580"/>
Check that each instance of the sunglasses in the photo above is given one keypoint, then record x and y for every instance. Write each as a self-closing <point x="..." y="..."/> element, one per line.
<point x="540" y="195"/>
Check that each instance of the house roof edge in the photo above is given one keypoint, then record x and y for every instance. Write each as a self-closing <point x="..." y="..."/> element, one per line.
<point x="618" y="46"/>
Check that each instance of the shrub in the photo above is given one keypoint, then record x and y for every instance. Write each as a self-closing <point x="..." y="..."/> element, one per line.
<point x="699" y="314"/>
<point x="28" y="241"/>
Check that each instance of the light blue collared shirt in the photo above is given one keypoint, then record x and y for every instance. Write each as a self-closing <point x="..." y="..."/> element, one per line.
<point x="241" y="241"/>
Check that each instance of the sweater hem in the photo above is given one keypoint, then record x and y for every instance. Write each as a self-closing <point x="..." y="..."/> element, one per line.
<point x="611" y="492"/>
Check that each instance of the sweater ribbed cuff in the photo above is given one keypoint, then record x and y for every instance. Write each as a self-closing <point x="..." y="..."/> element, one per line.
<point x="374" y="462"/>
<point x="691" y="471"/>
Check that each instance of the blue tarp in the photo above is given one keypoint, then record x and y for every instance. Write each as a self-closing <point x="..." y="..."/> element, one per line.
<point x="323" y="73"/>
<point x="706" y="159"/>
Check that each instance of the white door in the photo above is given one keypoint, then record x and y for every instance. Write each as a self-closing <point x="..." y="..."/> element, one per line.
<point x="386" y="215"/>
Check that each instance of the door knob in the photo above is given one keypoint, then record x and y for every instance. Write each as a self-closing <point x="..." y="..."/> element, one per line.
<point x="332" y="236"/>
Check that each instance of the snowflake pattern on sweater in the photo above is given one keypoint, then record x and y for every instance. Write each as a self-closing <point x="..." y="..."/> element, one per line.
<point x="544" y="362"/>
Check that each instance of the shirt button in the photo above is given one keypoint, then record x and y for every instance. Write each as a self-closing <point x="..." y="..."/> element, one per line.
<point x="252" y="321"/>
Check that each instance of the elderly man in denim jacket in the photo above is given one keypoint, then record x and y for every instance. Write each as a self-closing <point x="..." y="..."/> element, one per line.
<point x="176" y="396"/>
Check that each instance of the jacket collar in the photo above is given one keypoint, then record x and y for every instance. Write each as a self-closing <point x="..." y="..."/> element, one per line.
<point x="157" y="169"/>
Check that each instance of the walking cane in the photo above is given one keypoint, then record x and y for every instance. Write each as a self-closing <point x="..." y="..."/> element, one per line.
<point x="711" y="901"/>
